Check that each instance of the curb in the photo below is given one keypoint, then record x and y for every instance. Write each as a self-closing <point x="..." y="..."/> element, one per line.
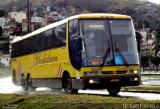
<point x="141" y="91"/>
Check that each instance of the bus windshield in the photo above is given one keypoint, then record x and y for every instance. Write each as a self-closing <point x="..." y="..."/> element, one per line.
<point x="99" y="35"/>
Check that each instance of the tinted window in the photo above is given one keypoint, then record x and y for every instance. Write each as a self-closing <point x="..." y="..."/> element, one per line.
<point x="49" y="39"/>
<point x="60" y="35"/>
<point x="13" y="51"/>
<point x="73" y="27"/>
<point x="25" y="46"/>
<point x="52" y="38"/>
<point x="41" y="41"/>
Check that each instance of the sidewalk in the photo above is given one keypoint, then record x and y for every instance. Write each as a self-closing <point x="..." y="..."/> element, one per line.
<point x="141" y="91"/>
<point x="150" y="72"/>
<point x="149" y="85"/>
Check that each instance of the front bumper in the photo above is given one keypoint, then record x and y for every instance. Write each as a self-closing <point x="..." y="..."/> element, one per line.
<point x="103" y="82"/>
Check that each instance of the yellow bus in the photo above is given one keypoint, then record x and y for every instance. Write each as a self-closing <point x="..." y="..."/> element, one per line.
<point x="86" y="51"/>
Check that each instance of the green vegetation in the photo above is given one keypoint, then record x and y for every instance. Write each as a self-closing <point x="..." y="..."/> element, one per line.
<point x="154" y="60"/>
<point x="2" y="2"/>
<point x="37" y="3"/>
<point x="68" y="101"/>
<point x="157" y="41"/>
<point x="91" y="5"/>
<point x="128" y="7"/>
<point x="2" y="42"/>
<point x="5" y="71"/>
<point x="151" y="75"/>
<point x="4" y="46"/>
<point x="126" y="4"/>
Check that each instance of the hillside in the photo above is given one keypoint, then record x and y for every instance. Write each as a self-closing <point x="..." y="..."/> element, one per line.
<point x="2" y="2"/>
<point x="142" y="11"/>
<point x="145" y="12"/>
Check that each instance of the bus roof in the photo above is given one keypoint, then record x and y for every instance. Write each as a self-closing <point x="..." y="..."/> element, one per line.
<point x="100" y="15"/>
<point x="80" y="16"/>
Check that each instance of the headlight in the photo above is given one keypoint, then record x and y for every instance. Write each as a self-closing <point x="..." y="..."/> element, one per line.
<point x="135" y="71"/>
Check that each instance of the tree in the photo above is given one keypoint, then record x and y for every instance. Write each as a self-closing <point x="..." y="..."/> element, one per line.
<point x="146" y="23"/>
<point x="156" y="43"/>
<point x="1" y="31"/>
<point x="139" y="41"/>
<point x="145" y="61"/>
<point x="4" y="47"/>
<point x="2" y="13"/>
<point x="155" y="61"/>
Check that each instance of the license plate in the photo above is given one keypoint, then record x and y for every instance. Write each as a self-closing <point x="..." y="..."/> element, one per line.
<point x="114" y="80"/>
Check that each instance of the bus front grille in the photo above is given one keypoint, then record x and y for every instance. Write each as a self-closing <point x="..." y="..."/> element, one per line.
<point x="121" y="72"/>
<point x="107" y="72"/>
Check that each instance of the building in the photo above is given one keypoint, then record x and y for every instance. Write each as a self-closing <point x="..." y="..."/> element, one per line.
<point x="2" y="22"/>
<point x="6" y="30"/>
<point x="24" y="25"/>
<point x="147" y="41"/>
<point x="18" y="16"/>
<point x="16" y="28"/>
<point x="5" y="60"/>
<point x="36" y="22"/>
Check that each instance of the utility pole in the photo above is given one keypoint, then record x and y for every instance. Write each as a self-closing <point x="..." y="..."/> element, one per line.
<point x="29" y="15"/>
<point x="149" y="64"/>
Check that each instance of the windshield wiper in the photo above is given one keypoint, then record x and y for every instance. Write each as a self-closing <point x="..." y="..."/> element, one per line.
<point x="122" y="56"/>
<point x="107" y="53"/>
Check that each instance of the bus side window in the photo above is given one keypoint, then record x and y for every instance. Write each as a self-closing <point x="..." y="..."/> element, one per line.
<point x="60" y="33"/>
<point x="41" y="41"/>
<point x="18" y="49"/>
<point x="48" y="39"/>
<point x="32" y="44"/>
<point x="25" y="48"/>
<point x="53" y="38"/>
<point x="36" y="43"/>
<point x="22" y="47"/>
<point x="13" y="51"/>
<point x="73" y="28"/>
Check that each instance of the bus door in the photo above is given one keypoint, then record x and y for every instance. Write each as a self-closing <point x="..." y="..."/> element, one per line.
<point x="76" y="51"/>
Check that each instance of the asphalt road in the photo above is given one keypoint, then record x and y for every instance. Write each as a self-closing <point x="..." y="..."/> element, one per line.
<point x="7" y="87"/>
<point x="150" y="81"/>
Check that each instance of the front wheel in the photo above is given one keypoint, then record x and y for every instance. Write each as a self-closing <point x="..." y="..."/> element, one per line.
<point x="68" y="87"/>
<point x="113" y="91"/>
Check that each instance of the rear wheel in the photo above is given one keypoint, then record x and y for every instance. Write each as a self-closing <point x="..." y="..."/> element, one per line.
<point x="29" y="83"/>
<point x="113" y="91"/>
<point x="24" y="83"/>
<point x="68" y="86"/>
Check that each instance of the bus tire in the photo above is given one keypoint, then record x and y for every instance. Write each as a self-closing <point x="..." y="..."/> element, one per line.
<point x="29" y="83"/>
<point x="24" y="83"/>
<point x="68" y="86"/>
<point x="113" y="91"/>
